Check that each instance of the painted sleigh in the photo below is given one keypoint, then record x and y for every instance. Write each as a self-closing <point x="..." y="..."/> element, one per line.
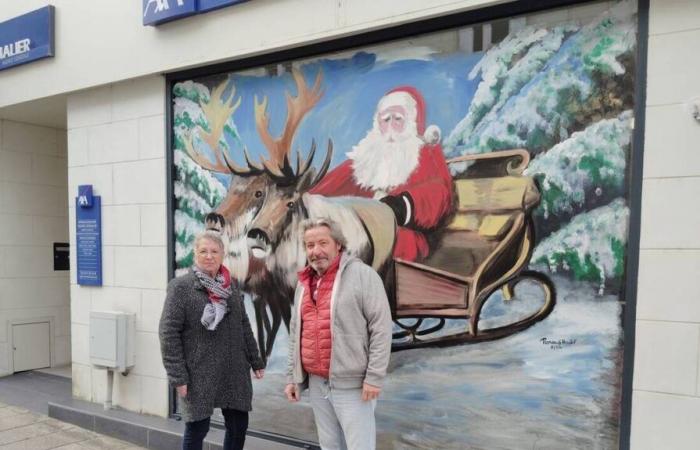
<point x="486" y="247"/>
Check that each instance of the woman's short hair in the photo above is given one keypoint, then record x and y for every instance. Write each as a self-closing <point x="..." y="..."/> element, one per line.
<point x="210" y="235"/>
<point x="336" y="232"/>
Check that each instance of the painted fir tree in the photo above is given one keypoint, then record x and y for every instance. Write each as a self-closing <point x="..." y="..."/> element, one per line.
<point x="197" y="192"/>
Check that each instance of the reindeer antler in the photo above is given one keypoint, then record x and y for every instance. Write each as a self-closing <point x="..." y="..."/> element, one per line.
<point x="324" y="167"/>
<point x="289" y="179"/>
<point x="297" y="107"/>
<point x="217" y="111"/>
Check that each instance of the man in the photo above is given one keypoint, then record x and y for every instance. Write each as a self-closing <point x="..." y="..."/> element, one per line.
<point x="340" y="339"/>
<point x="402" y="165"/>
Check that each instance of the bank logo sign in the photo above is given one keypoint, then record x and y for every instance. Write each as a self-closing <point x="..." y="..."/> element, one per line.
<point x="159" y="11"/>
<point x="156" y="12"/>
<point x="88" y="236"/>
<point x="27" y="38"/>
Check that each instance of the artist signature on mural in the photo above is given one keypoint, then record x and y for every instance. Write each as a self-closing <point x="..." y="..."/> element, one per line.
<point x="557" y="344"/>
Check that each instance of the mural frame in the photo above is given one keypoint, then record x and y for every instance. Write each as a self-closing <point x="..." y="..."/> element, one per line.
<point x="422" y="26"/>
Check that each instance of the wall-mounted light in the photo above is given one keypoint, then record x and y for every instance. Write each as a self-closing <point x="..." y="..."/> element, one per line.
<point x="693" y="107"/>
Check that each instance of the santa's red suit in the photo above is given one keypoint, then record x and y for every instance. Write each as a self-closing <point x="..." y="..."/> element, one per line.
<point x="396" y="164"/>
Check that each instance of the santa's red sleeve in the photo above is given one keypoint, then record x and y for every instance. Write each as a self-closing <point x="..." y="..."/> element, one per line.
<point x="340" y="181"/>
<point x="429" y="189"/>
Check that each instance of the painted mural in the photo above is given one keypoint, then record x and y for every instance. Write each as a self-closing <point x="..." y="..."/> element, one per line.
<point x="487" y="186"/>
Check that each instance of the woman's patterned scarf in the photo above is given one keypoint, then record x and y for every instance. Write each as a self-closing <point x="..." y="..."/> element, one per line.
<point x="219" y="289"/>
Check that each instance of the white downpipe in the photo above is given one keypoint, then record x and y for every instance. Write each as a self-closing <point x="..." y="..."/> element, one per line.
<point x="110" y="387"/>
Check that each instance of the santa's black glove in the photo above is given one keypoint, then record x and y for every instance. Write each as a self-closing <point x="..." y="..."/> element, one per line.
<point x="397" y="203"/>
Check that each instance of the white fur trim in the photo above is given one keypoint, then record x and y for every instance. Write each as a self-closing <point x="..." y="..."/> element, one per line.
<point x="408" y="210"/>
<point x="432" y="134"/>
<point x="398" y="98"/>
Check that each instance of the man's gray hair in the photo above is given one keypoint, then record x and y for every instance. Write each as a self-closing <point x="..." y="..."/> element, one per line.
<point x="210" y="235"/>
<point x="336" y="232"/>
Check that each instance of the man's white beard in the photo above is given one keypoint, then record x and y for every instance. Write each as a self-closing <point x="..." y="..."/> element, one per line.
<point x="379" y="165"/>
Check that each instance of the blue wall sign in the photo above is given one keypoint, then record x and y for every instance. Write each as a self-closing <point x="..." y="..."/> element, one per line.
<point x="156" y="12"/>
<point x="210" y="5"/>
<point x="27" y="38"/>
<point x="88" y="227"/>
<point x="85" y="196"/>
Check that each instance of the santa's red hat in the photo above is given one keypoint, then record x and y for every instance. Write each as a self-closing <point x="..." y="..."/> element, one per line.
<point x="413" y="102"/>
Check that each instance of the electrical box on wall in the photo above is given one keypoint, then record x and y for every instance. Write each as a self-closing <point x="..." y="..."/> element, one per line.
<point x="112" y="336"/>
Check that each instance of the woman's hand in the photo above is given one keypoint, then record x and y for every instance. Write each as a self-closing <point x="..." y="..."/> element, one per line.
<point x="259" y="373"/>
<point x="182" y="390"/>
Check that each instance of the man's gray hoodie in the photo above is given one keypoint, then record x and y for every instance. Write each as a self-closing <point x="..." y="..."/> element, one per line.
<point x="361" y="329"/>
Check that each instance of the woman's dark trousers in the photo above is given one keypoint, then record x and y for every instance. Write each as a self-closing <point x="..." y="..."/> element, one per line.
<point x="236" y="426"/>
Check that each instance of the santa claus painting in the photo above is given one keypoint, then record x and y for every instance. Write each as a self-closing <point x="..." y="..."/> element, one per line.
<point x="399" y="162"/>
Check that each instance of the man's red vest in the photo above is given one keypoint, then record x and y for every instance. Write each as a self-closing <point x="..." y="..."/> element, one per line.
<point x="316" y="336"/>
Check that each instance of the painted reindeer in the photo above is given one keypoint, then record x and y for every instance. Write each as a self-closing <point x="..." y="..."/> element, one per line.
<point x="274" y="236"/>
<point x="250" y="186"/>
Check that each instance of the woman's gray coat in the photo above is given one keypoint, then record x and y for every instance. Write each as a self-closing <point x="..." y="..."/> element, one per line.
<point x="215" y="365"/>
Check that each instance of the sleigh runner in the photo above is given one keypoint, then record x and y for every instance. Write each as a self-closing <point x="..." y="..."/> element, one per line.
<point x="485" y="248"/>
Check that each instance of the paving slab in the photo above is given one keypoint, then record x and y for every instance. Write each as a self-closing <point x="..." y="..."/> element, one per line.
<point x="26" y="399"/>
<point x="21" y="429"/>
<point x="26" y="432"/>
<point x="18" y="420"/>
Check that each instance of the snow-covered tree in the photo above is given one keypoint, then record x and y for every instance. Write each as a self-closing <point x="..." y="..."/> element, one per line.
<point x="194" y="92"/>
<point x="534" y="94"/>
<point x="504" y="70"/>
<point x="196" y="191"/>
<point x="591" y="247"/>
<point x="584" y="171"/>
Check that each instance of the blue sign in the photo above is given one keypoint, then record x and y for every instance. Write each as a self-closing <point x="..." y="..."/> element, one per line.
<point x="156" y="12"/>
<point x="85" y="195"/>
<point x="88" y="228"/>
<point x="27" y="38"/>
<point x="210" y="5"/>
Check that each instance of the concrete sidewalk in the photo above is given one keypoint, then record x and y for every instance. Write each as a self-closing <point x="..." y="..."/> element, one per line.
<point x="38" y="412"/>
<point x="26" y="430"/>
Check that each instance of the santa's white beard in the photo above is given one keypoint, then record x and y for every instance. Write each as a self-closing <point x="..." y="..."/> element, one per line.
<point x="379" y="165"/>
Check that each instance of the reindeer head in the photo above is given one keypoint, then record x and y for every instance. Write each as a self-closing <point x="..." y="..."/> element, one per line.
<point x="283" y="203"/>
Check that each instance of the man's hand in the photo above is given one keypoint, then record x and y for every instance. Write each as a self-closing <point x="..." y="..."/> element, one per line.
<point x="370" y="392"/>
<point x="292" y="392"/>
<point x="259" y="373"/>
<point x="182" y="390"/>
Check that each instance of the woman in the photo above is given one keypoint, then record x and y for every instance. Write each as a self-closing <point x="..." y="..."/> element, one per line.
<point x="208" y="346"/>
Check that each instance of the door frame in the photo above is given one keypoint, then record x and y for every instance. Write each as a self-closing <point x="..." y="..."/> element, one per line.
<point x="10" y="338"/>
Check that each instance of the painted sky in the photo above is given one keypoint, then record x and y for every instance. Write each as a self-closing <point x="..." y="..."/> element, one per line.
<point x="352" y="87"/>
